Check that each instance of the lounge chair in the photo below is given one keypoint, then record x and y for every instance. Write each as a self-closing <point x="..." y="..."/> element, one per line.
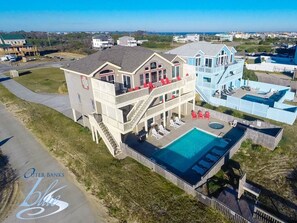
<point x="156" y="134"/>
<point x="199" y="170"/>
<point x="178" y="121"/>
<point x="234" y="123"/>
<point x="173" y="124"/>
<point x="163" y="130"/>
<point x="218" y="152"/>
<point x="205" y="164"/>
<point x="211" y="157"/>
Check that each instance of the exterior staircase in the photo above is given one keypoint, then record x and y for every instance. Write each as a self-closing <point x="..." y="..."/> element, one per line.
<point x="108" y="139"/>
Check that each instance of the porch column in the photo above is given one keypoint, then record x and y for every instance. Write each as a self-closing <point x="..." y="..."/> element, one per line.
<point x="96" y="136"/>
<point x="164" y="119"/>
<point x="74" y="115"/>
<point x="193" y="104"/>
<point x="145" y="127"/>
<point x="179" y="106"/>
<point x="93" y="135"/>
<point x="136" y="128"/>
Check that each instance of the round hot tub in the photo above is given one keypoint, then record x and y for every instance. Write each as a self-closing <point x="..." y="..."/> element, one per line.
<point x="216" y="125"/>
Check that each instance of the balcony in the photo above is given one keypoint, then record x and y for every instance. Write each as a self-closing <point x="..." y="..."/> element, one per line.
<point x="237" y="64"/>
<point x="106" y="92"/>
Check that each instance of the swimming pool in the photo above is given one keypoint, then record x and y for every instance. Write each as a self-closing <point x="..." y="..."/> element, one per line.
<point x="184" y="152"/>
<point x="257" y="99"/>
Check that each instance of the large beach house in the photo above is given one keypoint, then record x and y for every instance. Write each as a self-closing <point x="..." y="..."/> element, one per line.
<point x="121" y="90"/>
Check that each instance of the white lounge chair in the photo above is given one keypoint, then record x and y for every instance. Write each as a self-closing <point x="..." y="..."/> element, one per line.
<point x="155" y="134"/>
<point x="178" y="121"/>
<point x="163" y="130"/>
<point x="173" y="124"/>
<point x="234" y="123"/>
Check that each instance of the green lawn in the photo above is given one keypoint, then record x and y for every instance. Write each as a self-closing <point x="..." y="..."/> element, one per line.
<point x="131" y="191"/>
<point x="45" y="80"/>
<point x="275" y="171"/>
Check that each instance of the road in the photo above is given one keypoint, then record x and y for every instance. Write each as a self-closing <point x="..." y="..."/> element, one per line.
<point x="24" y="153"/>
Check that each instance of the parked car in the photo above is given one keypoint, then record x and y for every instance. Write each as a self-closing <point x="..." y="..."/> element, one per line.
<point x="4" y="58"/>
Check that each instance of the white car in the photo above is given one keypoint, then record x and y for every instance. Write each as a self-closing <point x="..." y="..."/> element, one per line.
<point x="4" y="58"/>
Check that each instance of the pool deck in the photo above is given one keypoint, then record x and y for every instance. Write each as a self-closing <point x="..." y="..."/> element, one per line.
<point x="151" y="145"/>
<point x="201" y="124"/>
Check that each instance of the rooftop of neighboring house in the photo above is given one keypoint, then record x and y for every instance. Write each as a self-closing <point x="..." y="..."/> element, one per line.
<point x="12" y="36"/>
<point x="102" y="37"/>
<point x="192" y="49"/>
<point x="127" y="37"/>
<point x="127" y="58"/>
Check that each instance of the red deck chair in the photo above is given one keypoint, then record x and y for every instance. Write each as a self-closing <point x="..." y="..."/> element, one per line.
<point x="178" y="78"/>
<point x="172" y="97"/>
<point x="163" y="81"/>
<point x="194" y="115"/>
<point x="136" y="88"/>
<point x="207" y="115"/>
<point x="130" y="90"/>
<point x="151" y="86"/>
<point x="145" y="85"/>
<point x="167" y="80"/>
<point x="200" y="114"/>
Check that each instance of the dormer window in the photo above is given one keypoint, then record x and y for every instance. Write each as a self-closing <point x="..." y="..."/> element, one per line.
<point x="146" y="68"/>
<point x="153" y="65"/>
<point x="160" y="66"/>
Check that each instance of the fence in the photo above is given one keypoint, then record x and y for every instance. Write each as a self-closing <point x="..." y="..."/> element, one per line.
<point x="159" y="169"/>
<point x="259" y="215"/>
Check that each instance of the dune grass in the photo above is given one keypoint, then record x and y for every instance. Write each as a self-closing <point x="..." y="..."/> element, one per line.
<point x="130" y="191"/>
<point x="44" y="80"/>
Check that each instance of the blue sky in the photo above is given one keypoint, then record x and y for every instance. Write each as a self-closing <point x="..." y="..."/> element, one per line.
<point x="153" y="15"/>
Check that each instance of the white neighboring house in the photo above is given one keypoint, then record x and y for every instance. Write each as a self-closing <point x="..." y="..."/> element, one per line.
<point x="192" y="37"/>
<point x="225" y="37"/>
<point x="102" y="41"/>
<point x="187" y="38"/>
<point x="295" y="58"/>
<point x="127" y="41"/>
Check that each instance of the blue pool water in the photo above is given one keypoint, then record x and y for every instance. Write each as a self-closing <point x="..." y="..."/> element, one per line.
<point x="252" y="98"/>
<point x="183" y="153"/>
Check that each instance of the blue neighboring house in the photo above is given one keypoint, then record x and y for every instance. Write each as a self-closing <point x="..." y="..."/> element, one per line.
<point x="217" y="70"/>
<point x="219" y="82"/>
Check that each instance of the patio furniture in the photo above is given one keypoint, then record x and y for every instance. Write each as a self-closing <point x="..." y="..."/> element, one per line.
<point x="178" y="121"/>
<point x="199" y="170"/>
<point x="156" y="134"/>
<point x="145" y="85"/>
<point x="136" y="88"/>
<point x="207" y="115"/>
<point x="200" y="114"/>
<point x="178" y="78"/>
<point x="167" y="80"/>
<point x="163" y="130"/>
<point x="173" y="124"/>
<point x="234" y="123"/>
<point x="194" y="115"/>
<point x="163" y="81"/>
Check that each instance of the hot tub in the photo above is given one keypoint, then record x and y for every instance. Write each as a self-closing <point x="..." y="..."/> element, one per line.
<point x="216" y="125"/>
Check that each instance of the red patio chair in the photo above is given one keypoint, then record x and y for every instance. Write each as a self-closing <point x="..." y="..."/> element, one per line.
<point x="167" y="80"/>
<point x="151" y="86"/>
<point x="194" y="115"/>
<point x="130" y="90"/>
<point x="145" y="85"/>
<point x="200" y="114"/>
<point x="207" y="115"/>
<point x="163" y="81"/>
<point x="136" y="88"/>
<point x="178" y="78"/>
<point x="172" y="97"/>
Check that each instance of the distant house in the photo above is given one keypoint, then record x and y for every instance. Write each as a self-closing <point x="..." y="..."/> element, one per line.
<point x="102" y="41"/>
<point x="225" y="37"/>
<point x="295" y="58"/>
<point x="127" y="41"/>
<point x="187" y="38"/>
<point x="16" y="44"/>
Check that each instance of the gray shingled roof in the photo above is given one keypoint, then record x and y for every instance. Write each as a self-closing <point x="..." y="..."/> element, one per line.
<point x="102" y="37"/>
<point x="128" y="58"/>
<point x="191" y="49"/>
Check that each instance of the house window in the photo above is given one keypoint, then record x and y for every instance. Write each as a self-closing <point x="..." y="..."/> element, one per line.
<point x="153" y="65"/>
<point x="208" y="62"/>
<point x="154" y="77"/>
<point x="141" y="79"/>
<point x="198" y="61"/>
<point x="147" y="77"/>
<point x="146" y="68"/>
<point x="175" y="71"/>
<point x="206" y="79"/>
<point x="110" y="78"/>
<point x="160" y="74"/>
<point x="164" y="73"/>
<point x="127" y="81"/>
<point x="160" y="66"/>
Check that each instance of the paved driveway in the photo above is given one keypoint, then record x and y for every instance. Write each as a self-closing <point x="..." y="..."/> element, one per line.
<point x="24" y="153"/>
